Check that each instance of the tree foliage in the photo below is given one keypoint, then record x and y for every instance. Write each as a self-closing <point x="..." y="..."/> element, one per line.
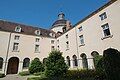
<point x="112" y="64"/>
<point x="55" y="64"/>
<point x="36" y="66"/>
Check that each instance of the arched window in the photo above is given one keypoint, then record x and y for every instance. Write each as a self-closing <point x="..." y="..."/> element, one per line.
<point x="44" y="60"/>
<point x="68" y="60"/>
<point x="1" y="63"/>
<point x="26" y="63"/>
<point x="75" y="62"/>
<point x="94" y="54"/>
<point x="84" y="61"/>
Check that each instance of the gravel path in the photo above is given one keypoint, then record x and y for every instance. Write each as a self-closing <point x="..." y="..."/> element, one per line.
<point x="15" y="77"/>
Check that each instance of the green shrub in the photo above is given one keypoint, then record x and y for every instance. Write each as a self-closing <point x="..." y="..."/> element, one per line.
<point x="24" y="73"/>
<point x="80" y="74"/>
<point x="39" y="73"/>
<point x="71" y="75"/>
<point x="55" y="64"/>
<point x="100" y="70"/>
<point x="97" y="59"/>
<point x="34" y="78"/>
<point x="112" y="64"/>
<point x="36" y="66"/>
<point x="2" y="75"/>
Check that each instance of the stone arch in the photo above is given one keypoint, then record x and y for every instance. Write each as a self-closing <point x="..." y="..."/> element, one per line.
<point x="13" y="64"/>
<point x="75" y="62"/>
<point x="1" y="62"/>
<point x="84" y="60"/>
<point x="68" y="60"/>
<point x="94" y="54"/>
<point x="44" y="60"/>
<point x="26" y="63"/>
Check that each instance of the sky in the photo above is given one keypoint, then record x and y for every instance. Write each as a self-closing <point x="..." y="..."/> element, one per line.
<point x="43" y="13"/>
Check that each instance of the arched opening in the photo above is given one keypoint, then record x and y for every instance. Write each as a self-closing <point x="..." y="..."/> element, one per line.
<point x="94" y="54"/>
<point x="68" y="60"/>
<point x="75" y="62"/>
<point x="26" y="63"/>
<point x="44" y="60"/>
<point x="13" y="65"/>
<point x="84" y="61"/>
<point x="1" y="63"/>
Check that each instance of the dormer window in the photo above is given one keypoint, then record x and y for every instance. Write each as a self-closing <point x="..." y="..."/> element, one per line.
<point x="52" y="34"/>
<point x="18" y="29"/>
<point x="37" y="32"/>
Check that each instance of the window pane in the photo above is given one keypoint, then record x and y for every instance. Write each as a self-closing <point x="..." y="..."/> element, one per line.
<point x="1" y="63"/>
<point x="36" y="48"/>
<point x="103" y="16"/>
<point x="81" y="39"/>
<point x="15" y="46"/>
<point x="26" y="63"/>
<point x="106" y="29"/>
<point x="80" y="28"/>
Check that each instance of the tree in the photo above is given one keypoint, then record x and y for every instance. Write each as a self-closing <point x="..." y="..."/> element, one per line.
<point x="55" y="64"/>
<point x="36" y="66"/>
<point x="112" y="64"/>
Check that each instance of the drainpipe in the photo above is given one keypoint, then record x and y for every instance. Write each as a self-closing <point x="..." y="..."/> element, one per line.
<point x="77" y="47"/>
<point x="7" y="53"/>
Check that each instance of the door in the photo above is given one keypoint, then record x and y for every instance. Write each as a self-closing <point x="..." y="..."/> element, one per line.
<point x="13" y="65"/>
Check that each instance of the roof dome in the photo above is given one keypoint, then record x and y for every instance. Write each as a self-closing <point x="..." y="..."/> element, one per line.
<point x="59" y="23"/>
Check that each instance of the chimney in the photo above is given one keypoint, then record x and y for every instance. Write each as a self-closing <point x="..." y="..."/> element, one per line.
<point x="68" y="24"/>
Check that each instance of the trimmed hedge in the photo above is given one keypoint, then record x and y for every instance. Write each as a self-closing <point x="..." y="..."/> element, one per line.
<point x="24" y="73"/>
<point x="2" y="75"/>
<point x="81" y="74"/>
<point x="71" y="75"/>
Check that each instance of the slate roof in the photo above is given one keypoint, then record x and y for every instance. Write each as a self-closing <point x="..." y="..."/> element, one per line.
<point x="26" y="29"/>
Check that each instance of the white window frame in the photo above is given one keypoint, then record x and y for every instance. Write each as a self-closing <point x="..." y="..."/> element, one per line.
<point x="103" y="16"/>
<point x="15" y="46"/>
<point x="37" y="32"/>
<point x="80" y="28"/>
<point x="81" y="40"/>
<point x="17" y="37"/>
<point x="18" y="29"/>
<point x="37" y="40"/>
<point x="106" y="27"/>
<point x="37" y="48"/>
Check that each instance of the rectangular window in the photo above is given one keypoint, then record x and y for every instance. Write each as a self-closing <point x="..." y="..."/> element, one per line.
<point x="66" y="36"/>
<point x="37" y="39"/>
<point x="52" y="47"/>
<point x="37" y="48"/>
<point x="81" y="39"/>
<point x="17" y="37"/>
<point x="58" y="41"/>
<point x="80" y="29"/>
<point x="18" y="28"/>
<point x="67" y="44"/>
<point x="106" y="29"/>
<point x="103" y="16"/>
<point x="52" y="41"/>
<point x="15" y="46"/>
<point x="64" y="29"/>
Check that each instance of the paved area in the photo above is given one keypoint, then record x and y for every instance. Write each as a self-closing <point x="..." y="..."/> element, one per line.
<point x="15" y="77"/>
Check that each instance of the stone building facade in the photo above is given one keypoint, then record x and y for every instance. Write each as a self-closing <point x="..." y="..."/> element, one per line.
<point x="20" y="44"/>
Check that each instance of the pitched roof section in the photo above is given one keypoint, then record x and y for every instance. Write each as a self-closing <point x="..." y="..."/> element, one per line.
<point x="25" y="29"/>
